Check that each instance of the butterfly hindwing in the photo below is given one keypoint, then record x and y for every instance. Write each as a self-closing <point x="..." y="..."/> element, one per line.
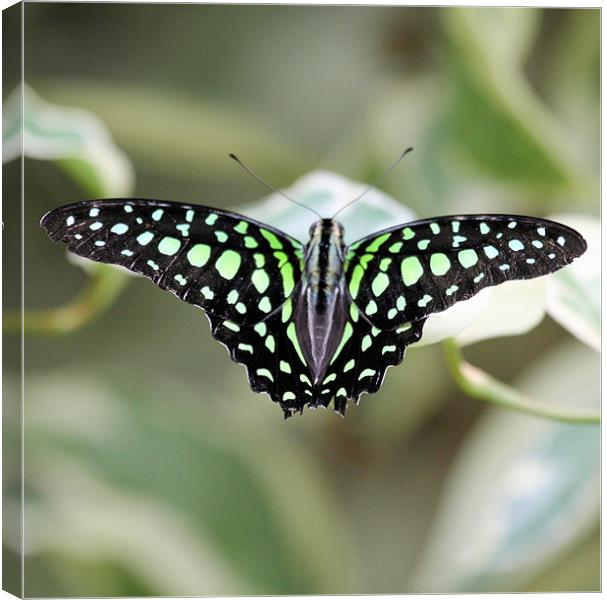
<point x="406" y="273"/>
<point x="275" y="363"/>
<point x="231" y="266"/>
<point x="362" y="357"/>
<point x="273" y="358"/>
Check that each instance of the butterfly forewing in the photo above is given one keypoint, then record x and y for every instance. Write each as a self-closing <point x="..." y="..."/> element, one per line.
<point x="236" y="269"/>
<point x="406" y="273"/>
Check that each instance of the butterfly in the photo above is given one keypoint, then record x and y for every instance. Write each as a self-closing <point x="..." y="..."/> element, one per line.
<point x="319" y="322"/>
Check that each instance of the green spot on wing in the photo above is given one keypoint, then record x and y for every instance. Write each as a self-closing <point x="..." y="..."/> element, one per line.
<point x="228" y="264"/>
<point x="423" y="302"/>
<point x="207" y="292"/>
<point x="199" y="255"/>
<point x="411" y="270"/>
<point x="273" y="240"/>
<point x="119" y="228"/>
<point x="380" y="284"/>
<point x="231" y="325"/>
<point x="291" y="334"/>
<point x="377" y="242"/>
<point x="467" y="258"/>
<point x="260" y="260"/>
<point x="357" y="275"/>
<point x="344" y="338"/>
<point x="384" y="264"/>
<point x="145" y="238"/>
<point x="282" y="258"/>
<point x="288" y="281"/>
<point x="169" y="246"/>
<point x="366" y="373"/>
<point x="241" y="227"/>
<point x="265" y="305"/>
<point x="265" y="373"/>
<point x="439" y="263"/>
<point x="260" y="280"/>
<point x="184" y="228"/>
<point x="287" y="310"/>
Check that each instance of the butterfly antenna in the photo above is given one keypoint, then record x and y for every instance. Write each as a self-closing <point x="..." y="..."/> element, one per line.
<point x="271" y="187"/>
<point x="373" y="185"/>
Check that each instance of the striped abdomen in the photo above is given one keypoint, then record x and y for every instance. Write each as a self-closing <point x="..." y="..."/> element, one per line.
<point x="322" y="304"/>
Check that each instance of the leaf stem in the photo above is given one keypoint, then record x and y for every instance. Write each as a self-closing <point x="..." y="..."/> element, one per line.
<point x="481" y="385"/>
<point x="104" y="285"/>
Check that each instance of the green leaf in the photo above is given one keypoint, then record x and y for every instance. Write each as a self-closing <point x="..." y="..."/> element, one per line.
<point x="573" y="295"/>
<point x="522" y="489"/>
<point x="75" y="139"/>
<point x="113" y="475"/>
<point x="512" y="308"/>
<point x="576" y="60"/>
<point x="194" y="146"/>
<point x="497" y="117"/>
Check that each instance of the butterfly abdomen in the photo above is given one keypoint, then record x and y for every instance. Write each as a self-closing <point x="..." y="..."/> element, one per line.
<point x="322" y="304"/>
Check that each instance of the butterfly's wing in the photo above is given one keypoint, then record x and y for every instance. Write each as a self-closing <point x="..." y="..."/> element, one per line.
<point x="405" y="273"/>
<point x="239" y="271"/>
<point x="360" y="361"/>
<point x="232" y="267"/>
<point x="272" y="355"/>
<point x="276" y="365"/>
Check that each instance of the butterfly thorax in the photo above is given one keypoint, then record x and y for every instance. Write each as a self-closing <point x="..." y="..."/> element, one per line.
<point x="321" y="306"/>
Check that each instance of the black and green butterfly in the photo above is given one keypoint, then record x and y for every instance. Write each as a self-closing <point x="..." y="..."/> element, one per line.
<point x="318" y="322"/>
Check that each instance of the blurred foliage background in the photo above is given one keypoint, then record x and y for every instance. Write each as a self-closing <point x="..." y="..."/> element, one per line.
<point x="151" y="468"/>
